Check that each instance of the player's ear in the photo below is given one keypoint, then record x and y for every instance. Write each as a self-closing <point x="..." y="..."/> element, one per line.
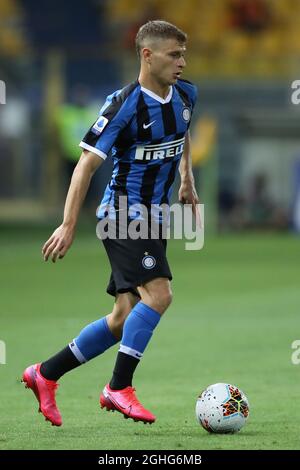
<point x="147" y="55"/>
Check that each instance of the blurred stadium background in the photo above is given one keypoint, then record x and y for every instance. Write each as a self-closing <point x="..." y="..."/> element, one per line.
<point x="59" y="60"/>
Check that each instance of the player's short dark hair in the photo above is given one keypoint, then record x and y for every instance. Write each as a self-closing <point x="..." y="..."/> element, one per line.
<point x="158" y="29"/>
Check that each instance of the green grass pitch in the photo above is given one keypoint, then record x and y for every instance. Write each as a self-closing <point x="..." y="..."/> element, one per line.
<point x="233" y="319"/>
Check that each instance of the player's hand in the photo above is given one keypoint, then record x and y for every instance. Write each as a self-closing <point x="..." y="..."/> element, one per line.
<point x="58" y="244"/>
<point x="188" y="195"/>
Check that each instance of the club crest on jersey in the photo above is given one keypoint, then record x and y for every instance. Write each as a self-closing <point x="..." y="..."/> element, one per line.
<point x="159" y="151"/>
<point x="186" y="114"/>
<point x="99" y="125"/>
<point x="148" y="262"/>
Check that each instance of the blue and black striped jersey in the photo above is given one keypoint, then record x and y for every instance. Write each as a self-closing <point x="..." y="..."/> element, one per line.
<point x="145" y="134"/>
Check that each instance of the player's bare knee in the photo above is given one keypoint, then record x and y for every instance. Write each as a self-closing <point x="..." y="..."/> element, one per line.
<point x="116" y="321"/>
<point x="165" y="299"/>
<point x="159" y="299"/>
<point x="157" y="294"/>
<point x="115" y="324"/>
<point x="118" y="316"/>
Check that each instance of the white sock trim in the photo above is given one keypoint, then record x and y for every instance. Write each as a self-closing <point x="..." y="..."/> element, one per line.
<point x="77" y="353"/>
<point x="130" y="351"/>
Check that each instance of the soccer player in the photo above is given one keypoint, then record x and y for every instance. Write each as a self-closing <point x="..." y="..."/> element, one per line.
<point x="145" y="125"/>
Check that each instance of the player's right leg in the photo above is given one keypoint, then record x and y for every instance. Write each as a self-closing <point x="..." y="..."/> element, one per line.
<point x="44" y="391"/>
<point x="92" y="341"/>
<point x="123" y="305"/>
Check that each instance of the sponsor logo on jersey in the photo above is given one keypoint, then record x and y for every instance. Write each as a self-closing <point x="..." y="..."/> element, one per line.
<point x="145" y="126"/>
<point x="159" y="151"/>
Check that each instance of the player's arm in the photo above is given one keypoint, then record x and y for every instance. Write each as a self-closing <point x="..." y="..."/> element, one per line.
<point x="61" y="239"/>
<point x="187" y="193"/>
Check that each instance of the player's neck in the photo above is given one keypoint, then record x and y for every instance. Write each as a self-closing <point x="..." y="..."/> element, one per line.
<point x="154" y="86"/>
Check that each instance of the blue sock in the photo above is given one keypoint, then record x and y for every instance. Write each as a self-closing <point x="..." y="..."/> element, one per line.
<point x="92" y="341"/>
<point x="138" y="329"/>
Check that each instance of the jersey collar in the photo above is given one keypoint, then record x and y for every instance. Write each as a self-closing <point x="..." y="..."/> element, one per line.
<point x="158" y="98"/>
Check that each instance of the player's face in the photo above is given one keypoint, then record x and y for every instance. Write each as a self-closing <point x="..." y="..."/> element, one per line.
<point x="167" y="61"/>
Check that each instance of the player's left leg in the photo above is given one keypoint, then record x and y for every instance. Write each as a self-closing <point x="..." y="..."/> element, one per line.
<point x="156" y="296"/>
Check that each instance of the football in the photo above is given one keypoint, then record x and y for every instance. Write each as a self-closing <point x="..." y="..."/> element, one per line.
<point x="222" y="408"/>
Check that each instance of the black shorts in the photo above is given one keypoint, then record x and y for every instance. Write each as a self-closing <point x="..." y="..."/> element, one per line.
<point x="135" y="262"/>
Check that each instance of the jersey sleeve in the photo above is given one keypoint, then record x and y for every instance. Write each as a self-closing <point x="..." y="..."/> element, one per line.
<point x="190" y="90"/>
<point x="194" y="95"/>
<point x="115" y="114"/>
